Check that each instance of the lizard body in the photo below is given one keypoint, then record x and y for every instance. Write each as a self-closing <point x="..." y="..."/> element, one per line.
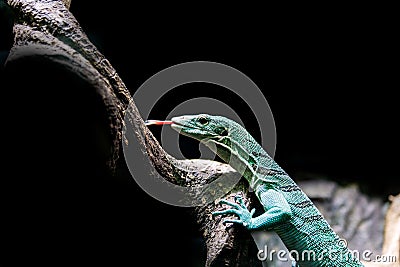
<point x="288" y="210"/>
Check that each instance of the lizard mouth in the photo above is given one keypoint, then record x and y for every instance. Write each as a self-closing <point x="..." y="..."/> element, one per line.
<point x="183" y="125"/>
<point x="176" y="125"/>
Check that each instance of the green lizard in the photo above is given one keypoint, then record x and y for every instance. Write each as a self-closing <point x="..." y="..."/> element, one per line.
<point x="288" y="210"/>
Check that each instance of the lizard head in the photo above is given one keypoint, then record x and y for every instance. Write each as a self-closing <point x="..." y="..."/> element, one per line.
<point x="202" y="127"/>
<point x="222" y="135"/>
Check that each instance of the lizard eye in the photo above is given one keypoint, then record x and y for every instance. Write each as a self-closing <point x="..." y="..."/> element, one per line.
<point x="203" y="121"/>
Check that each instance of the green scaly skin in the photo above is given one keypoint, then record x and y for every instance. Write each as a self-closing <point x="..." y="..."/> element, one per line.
<point x="288" y="210"/>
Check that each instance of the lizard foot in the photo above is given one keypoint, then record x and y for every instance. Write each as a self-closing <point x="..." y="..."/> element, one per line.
<point x="239" y="209"/>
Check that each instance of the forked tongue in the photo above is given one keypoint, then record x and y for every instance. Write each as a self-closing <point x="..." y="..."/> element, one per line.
<point x="157" y="122"/>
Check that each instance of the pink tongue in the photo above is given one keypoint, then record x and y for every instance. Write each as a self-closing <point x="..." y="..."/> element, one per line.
<point x="156" y="122"/>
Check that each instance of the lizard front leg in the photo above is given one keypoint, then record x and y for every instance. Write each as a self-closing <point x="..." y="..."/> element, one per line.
<point x="277" y="211"/>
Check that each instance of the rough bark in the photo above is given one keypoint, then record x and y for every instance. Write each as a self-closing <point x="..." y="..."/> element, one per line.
<point x="47" y="29"/>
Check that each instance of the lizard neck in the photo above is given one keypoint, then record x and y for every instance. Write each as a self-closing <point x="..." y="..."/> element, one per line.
<point x="246" y="156"/>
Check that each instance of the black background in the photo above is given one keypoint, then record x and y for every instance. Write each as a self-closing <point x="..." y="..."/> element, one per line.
<point x="330" y="85"/>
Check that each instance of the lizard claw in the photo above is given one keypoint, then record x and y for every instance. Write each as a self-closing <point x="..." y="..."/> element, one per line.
<point x="228" y="211"/>
<point x="239" y="199"/>
<point x="232" y="204"/>
<point x="239" y="209"/>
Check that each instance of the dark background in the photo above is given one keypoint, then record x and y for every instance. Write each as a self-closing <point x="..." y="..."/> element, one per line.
<point x="331" y="87"/>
